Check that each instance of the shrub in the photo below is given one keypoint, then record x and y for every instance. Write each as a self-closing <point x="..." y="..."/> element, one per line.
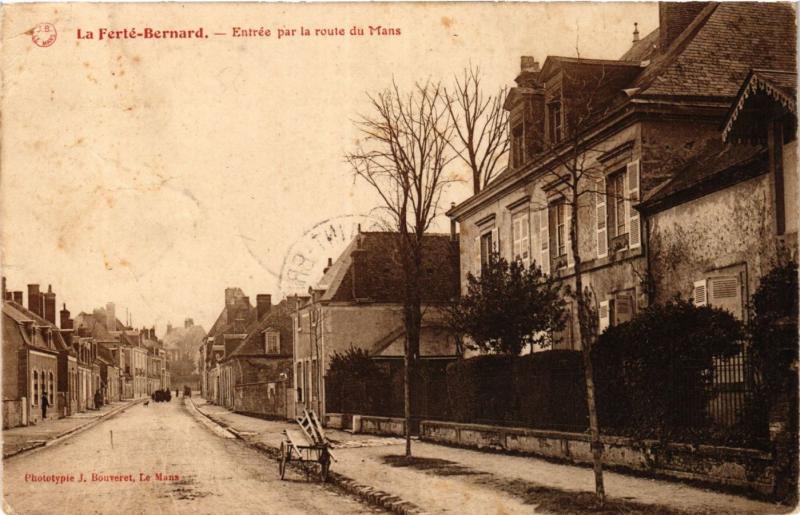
<point x="653" y="374"/>
<point x="355" y="383"/>
<point x="773" y="328"/>
<point x="508" y="308"/>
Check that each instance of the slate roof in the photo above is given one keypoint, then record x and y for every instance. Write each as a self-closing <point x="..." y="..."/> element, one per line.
<point x="14" y="315"/>
<point x="716" y="166"/>
<point x="384" y="282"/>
<point x="718" y="49"/>
<point x="644" y="49"/>
<point x="280" y="319"/>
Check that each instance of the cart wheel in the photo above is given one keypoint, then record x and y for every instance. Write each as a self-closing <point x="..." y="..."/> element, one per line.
<point x="284" y="458"/>
<point x="324" y="465"/>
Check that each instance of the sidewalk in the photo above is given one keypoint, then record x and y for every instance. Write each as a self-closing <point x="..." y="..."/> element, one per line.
<point x="21" y="439"/>
<point x="441" y="479"/>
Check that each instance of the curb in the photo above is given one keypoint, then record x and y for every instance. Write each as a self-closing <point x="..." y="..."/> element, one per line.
<point x="71" y="432"/>
<point x="365" y="493"/>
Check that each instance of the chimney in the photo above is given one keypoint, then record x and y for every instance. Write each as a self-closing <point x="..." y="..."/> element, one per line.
<point x="34" y="299"/>
<point x="673" y="18"/>
<point x="50" y="305"/>
<point x="66" y="321"/>
<point x="328" y="266"/>
<point x="189" y="322"/>
<point x="528" y="64"/>
<point x="263" y="305"/>
<point x="635" y="32"/>
<point x="18" y="297"/>
<point x="230" y="304"/>
<point x="111" y="316"/>
<point x="5" y="292"/>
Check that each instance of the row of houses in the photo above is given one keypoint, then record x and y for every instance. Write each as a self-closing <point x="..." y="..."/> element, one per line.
<point x="689" y="186"/>
<point x="77" y="365"/>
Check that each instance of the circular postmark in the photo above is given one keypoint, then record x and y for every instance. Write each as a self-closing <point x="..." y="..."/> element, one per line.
<point x="44" y="34"/>
<point x="308" y="257"/>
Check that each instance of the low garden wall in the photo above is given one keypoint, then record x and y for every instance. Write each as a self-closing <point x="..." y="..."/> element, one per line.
<point x="746" y="469"/>
<point x="379" y="425"/>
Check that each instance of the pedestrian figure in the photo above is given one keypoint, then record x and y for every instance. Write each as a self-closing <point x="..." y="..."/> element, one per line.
<point x="98" y="399"/>
<point x="45" y="404"/>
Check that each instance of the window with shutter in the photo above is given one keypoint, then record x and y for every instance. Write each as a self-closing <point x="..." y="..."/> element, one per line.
<point x="568" y="235"/>
<point x="476" y="257"/>
<point x="634" y="218"/>
<point x="623" y="309"/>
<point x="520" y="232"/>
<point x="699" y="293"/>
<point x="495" y="241"/>
<point x="725" y="292"/>
<point x="604" y="316"/>
<point x="600" y="214"/>
<point x="544" y="241"/>
<point x="535" y="241"/>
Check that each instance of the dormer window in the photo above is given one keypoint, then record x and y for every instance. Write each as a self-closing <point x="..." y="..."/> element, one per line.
<point x="517" y="146"/>
<point x="272" y="342"/>
<point x="554" y="122"/>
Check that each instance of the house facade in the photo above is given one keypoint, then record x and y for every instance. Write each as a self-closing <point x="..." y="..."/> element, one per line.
<point x="632" y="124"/>
<point x="258" y="372"/>
<point x="32" y="348"/>
<point x="227" y="333"/>
<point x="359" y="303"/>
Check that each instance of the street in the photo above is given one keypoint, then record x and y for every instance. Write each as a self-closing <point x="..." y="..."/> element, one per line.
<point x="190" y="469"/>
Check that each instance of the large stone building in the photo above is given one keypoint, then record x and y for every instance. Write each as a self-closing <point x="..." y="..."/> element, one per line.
<point x="643" y="127"/>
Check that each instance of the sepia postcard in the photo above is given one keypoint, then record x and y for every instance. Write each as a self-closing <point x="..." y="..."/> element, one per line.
<point x="401" y="257"/>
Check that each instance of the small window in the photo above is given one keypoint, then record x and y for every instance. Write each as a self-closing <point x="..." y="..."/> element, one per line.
<point x="554" y="117"/>
<point x="272" y="341"/>
<point x="35" y="388"/>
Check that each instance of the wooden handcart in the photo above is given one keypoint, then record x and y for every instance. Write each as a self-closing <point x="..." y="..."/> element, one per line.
<point x="308" y="446"/>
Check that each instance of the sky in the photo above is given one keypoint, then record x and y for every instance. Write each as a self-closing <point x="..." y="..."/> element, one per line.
<point x="156" y="173"/>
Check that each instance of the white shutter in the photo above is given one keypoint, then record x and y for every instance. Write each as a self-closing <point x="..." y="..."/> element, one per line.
<point x="476" y="258"/>
<point x="544" y="240"/>
<point x="623" y="309"/>
<point x="699" y="294"/>
<point x="525" y="239"/>
<point x="604" y="315"/>
<point x="632" y="197"/>
<point x="496" y="242"/>
<point x="725" y="292"/>
<point x="568" y="234"/>
<point x="602" y="220"/>
<point x="535" y="245"/>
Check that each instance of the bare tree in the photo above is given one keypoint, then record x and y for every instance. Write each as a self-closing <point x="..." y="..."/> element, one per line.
<point x="480" y="126"/>
<point x="403" y="156"/>
<point x="579" y="176"/>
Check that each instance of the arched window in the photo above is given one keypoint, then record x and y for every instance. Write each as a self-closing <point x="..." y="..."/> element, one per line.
<point x="35" y="387"/>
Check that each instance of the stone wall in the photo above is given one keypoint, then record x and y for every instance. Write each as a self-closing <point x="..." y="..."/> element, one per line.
<point x="746" y="469"/>
<point x="14" y="413"/>
<point x="268" y="399"/>
<point x="379" y="425"/>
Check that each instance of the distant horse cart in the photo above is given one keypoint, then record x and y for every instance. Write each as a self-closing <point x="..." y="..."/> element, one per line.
<point x="309" y="446"/>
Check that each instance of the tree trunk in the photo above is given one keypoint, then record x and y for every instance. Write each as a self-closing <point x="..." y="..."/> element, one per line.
<point x="586" y="337"/>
